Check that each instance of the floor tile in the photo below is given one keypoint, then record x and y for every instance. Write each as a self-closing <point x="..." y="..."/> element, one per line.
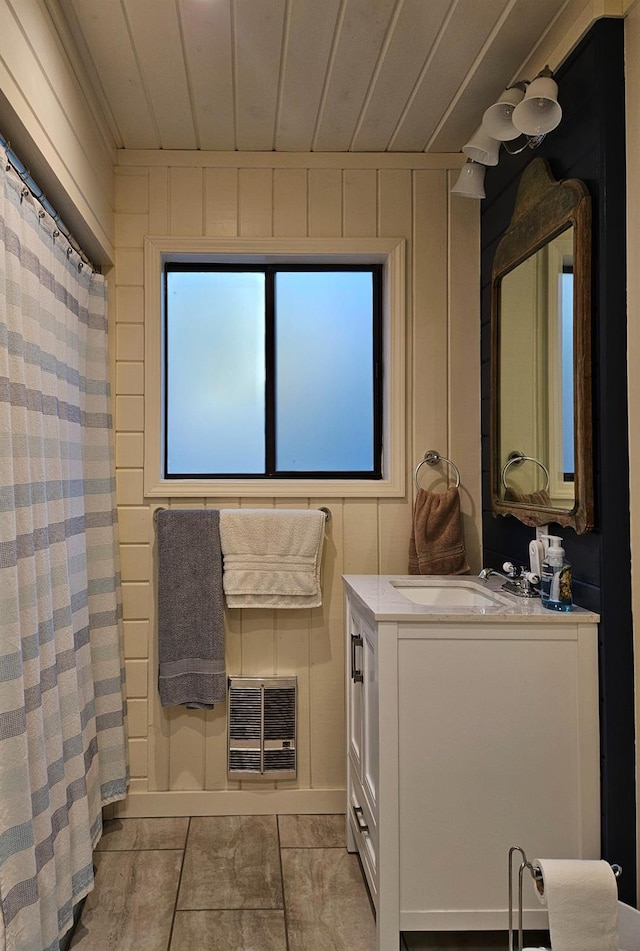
<point x="327" y="903"/>
<point x="229" y="931"/>
<point x="231" y="862"/>
<point x="131" y="906"/>
<point x="125" y="834"/>
<point x="312" y="832"/>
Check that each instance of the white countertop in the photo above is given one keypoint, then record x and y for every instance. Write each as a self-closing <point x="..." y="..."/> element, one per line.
<point x="386" y="603"/>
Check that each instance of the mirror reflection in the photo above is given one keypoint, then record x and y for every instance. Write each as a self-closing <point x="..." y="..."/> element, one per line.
<point x="541" y="432"/>
<point x="536" y="413"/>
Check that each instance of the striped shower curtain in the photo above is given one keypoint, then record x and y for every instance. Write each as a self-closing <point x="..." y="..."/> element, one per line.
<point x="62" y="712"/>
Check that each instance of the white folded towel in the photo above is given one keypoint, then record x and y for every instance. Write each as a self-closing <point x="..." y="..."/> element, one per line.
<point x="272" y="557"/>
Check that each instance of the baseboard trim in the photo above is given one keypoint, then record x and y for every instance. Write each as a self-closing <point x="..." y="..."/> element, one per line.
<point x="231" y="802"/>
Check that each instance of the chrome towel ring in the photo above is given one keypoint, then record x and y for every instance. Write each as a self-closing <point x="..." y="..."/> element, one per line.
<point x="432" y="458"/>
<point x="516" y="458"/>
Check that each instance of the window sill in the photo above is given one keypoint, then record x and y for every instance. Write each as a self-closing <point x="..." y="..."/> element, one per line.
<point x="277" y="488"/>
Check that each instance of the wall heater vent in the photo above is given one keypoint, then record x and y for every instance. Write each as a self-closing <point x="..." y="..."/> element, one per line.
<point x="262" y="727"/>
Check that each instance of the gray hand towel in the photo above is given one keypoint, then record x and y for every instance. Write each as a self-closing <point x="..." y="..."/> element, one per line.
<point x="190" y="609"/>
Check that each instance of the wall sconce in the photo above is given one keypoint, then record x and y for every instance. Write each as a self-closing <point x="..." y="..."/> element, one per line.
<point x="526" y="109"/>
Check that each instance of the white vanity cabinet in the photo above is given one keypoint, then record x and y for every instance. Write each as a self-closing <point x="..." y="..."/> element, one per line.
<point x="468" y="731"/>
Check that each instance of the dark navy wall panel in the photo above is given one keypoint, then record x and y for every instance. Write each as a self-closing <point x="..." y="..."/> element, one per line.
<point x="589" y="144"/>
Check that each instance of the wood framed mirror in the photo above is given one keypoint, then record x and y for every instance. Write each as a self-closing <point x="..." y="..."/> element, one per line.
<point x="541" y="425"/>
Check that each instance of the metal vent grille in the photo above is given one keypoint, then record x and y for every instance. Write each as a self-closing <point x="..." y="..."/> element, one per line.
<point x="262" y="727"/>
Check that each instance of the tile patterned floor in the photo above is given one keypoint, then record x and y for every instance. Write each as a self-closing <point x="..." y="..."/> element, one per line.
<point x="226" y="883"/>
<point x="238" y="883"/>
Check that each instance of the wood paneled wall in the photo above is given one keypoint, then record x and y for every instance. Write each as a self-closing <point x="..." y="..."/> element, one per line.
<point x="178" y="756"/>
<point x="49" y="114"/>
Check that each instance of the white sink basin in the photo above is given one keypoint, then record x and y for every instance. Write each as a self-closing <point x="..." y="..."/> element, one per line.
<point x="464" y="594"/>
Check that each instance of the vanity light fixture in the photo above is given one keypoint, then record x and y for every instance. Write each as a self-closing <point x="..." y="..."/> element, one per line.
<point x="497" y="120"/>
<point x="482" y="147"/>
<point x="527" y="109"/>
<point x="470" y="182"/>
<point x="539" y="112"/>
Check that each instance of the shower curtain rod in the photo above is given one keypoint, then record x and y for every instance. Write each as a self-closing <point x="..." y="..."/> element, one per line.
<point x="23" y="173"/>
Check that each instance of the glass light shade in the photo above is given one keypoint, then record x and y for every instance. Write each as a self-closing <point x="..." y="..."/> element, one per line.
<point x="539" y="112"/>
<point x="497" y="121"/>
<point x="482" y="148"/>
<point x="470" y="182"/>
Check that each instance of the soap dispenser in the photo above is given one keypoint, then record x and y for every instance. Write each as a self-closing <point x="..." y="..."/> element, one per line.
<point x="555" y="588"/>
<point x="536" y="556"/>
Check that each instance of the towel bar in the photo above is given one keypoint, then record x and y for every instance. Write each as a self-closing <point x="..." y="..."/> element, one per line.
<point x="326" y="512"/>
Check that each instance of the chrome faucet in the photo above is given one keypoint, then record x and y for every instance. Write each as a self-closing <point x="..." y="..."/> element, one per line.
<point x="487" y="572"/>
<point x="518" y="581"/>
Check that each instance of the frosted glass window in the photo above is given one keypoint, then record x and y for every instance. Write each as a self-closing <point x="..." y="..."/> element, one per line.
<point x="272" y="371"/>
<point x="324" y="384"/>
<point x="215" y="373"/>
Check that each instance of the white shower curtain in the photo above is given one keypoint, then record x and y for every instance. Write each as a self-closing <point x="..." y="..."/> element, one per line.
<point x="62" y="712"/>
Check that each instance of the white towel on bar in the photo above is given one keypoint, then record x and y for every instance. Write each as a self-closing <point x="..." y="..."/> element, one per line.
<point x="272" y="557"/>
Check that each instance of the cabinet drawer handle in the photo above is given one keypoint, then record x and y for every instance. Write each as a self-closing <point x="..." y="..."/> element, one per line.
<point x="356" y="675"/>
<point x="362" y="825"/>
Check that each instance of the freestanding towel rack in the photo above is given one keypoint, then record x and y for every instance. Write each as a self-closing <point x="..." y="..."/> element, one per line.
<point x="536" y="874"/>
<point x="432" y="458"/>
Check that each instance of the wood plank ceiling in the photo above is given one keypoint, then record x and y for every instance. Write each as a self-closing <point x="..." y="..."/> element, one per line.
<point x="302" y="75"/>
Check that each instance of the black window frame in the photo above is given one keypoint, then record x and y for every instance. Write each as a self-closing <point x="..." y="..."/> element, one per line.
<point x="270" y="270"/>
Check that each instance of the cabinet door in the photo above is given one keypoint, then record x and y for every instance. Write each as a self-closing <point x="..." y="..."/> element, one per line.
<point x="499" y="745"/>
<point x="370" y="731"/>
<point x="354" y="690"/>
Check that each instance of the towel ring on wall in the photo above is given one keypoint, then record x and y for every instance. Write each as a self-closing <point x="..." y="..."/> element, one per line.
<point x="516" y="458"/>
<point x="432" y="458"/>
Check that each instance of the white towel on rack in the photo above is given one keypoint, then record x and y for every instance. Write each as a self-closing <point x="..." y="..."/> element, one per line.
<point x="272" y="557"/>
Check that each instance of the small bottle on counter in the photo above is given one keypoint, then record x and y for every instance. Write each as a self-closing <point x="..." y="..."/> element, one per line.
<point x="555" y="586"/>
